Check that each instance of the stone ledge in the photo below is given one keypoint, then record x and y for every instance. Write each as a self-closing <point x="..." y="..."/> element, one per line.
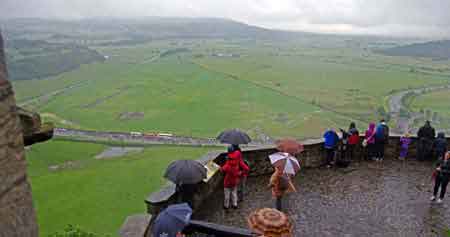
<point x="135" y="225"/>
<point x="33" y="129"/>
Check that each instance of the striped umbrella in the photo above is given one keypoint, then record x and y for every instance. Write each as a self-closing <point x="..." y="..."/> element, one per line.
<point x="270" y="222"/>
<point x="287" y="163"/>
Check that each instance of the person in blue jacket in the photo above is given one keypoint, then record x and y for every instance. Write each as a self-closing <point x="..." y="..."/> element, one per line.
<point x="381" y="139"/>
<point x="331" y="140"/>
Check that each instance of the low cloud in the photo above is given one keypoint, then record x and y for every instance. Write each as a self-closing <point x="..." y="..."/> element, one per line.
<point x="387" y="17"/>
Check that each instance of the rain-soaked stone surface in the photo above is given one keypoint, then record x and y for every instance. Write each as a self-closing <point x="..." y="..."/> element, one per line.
<point x="389" y="198"/>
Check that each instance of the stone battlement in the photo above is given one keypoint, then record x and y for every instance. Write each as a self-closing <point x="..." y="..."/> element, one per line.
<point x="312" y="157"/>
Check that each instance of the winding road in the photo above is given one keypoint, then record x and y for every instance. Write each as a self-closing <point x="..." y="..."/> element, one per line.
<point x="396" y="104"/>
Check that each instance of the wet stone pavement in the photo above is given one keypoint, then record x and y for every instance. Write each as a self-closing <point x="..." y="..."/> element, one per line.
<point x="389" y="198"/>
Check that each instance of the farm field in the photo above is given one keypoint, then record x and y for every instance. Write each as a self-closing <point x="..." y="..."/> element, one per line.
<point x="198" y="88"/>
<point x="435" y="106"/>
<point x="71" y="186"/>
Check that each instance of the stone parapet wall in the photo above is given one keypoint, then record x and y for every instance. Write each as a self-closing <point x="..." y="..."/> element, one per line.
<point x="312" y="157"/>
<point x="17" y="216"/>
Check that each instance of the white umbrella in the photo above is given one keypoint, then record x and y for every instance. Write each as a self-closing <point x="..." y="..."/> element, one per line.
<point x="285" y="162"/>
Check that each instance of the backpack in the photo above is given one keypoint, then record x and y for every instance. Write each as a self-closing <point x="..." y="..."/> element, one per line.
<point x="283" y="184"/>
<point x="380" y="132"/>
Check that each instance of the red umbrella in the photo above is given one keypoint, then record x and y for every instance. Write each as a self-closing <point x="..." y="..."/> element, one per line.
<point x="289" y="145"/>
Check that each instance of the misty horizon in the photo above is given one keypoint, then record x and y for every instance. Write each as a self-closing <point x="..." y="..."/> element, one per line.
<point x="401" y="18"/>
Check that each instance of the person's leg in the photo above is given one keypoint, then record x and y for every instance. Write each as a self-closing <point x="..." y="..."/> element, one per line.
<point x="333" y="156"/>
<point x="379" y="146"/>
<point x="188" y="194"/>
<point x="370" y="151"/>
<point x="382" y="149"/>
<point x="443" y="188"/>
<point x="329" y="155"/>
<point x="278" y="203"/>
<point x="242" y="187"/>
<point x="437" y="183"/>
<point x="286" y="202"/>
<point x="234" y="197"/>
<point x="350" y="151"/>
<point x="226" y="199"/>
<point x="420" y="150"/>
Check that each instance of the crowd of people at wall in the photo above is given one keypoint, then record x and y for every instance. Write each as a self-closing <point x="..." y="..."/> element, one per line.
<point x="376" y="137"/>
<point x="374" y="142"/>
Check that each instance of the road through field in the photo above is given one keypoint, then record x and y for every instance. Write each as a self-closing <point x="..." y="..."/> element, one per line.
<point x="130" y="138"/>
<point x="30" y="100"/>
<point x="396" y="104"/>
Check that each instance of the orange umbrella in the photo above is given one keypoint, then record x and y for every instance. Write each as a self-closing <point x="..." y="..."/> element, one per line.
<point x="289" y="145"/>
<point x="270" y="223"/>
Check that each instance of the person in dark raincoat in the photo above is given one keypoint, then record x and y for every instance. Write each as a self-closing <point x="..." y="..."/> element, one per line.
<point x="425" y="135"/>
<point x="440" y="146"/>
<point x="442" y="178"/>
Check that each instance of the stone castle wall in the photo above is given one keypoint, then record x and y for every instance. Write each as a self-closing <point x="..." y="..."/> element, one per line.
<point x="312" y="157"/>
<point x="17" y="215"/>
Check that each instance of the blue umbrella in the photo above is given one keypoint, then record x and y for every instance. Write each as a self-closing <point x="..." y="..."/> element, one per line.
<point x="172" y="220"/>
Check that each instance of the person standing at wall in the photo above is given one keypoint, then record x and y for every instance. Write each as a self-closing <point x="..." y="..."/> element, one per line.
<point x="442" y="178"/>
<point x="404" y="146"/>
<point x="353" y="139"/>
<point x="331" y="140"/>
<point x="381" y="139"/>
<point x="425" y="136"/>
<point x="244" y="173"/>
<point x="232" y="169"/>
<point x="440" y="146"/>
<point x="281" y="185"/>
<point x="369" y="141"/>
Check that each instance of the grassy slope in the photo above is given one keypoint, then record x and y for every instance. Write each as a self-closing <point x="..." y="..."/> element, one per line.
<point x="95" y="194"/>
<point x="342" y="81"/>
<point x="270" y="88"/>
<point x="435" y="102"/>
<point x="181" y="97"/>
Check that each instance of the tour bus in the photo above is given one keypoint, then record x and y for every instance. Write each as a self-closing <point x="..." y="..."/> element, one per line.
<point x="135" y="134"/>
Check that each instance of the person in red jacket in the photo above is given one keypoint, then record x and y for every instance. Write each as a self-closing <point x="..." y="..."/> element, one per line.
<point x="244" y="173"/>
<point x="233" y="169"/>
<point x="353" y="139"/>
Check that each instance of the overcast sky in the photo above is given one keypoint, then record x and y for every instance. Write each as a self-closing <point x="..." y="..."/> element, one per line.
<point x="423" y="18"/>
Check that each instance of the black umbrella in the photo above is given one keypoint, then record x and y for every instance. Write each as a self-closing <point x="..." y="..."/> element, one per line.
<point x="185" y="172"/>
<point x="234" y="136"/>
<point x="172" y="220"/>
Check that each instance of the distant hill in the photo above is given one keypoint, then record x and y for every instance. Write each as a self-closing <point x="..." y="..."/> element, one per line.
<point x="127" y="31"/>
<point x="39" y="48"/>
<point x="438" y="50"/>
<point x="35" y="59"/>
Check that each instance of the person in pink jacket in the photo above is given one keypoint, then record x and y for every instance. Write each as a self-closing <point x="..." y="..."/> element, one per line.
<point x="370" y="141"/>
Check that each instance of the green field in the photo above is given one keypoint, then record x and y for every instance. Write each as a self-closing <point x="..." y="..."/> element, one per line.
<point x="96" y="194"/>
<point x="435" y="106"/>
<point x="268" y="89"/>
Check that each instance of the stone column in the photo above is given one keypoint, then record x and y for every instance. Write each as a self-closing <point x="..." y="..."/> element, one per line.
<point x="17" y="216"/>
